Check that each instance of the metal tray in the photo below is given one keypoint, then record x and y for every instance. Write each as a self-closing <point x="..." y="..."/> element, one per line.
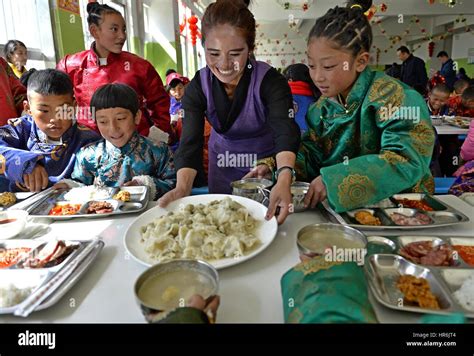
<point x="20" y="197"/>
<point x="393" y="244"/>
<point x="458" y="121"/>
<point x="139" y="197"/>
<point x="36" y="277"/>
<point x="383" y="271"/>
<point x="442" y="214"/>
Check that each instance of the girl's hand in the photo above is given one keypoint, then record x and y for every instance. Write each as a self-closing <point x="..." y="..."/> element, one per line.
<point x="261" y="171"/>
<point x="131" y="183"/>
<point x="316" y="193"/>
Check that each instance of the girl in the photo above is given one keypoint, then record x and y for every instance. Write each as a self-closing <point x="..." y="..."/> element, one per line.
<point x="105" y="62"/>
<point x="247" y="104"/>
<point x="369" y="136"/>
<point x="16" y="55"/>
<point x="123" y="157"/>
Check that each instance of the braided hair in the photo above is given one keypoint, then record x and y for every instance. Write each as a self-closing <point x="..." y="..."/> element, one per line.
<point x="347" y="27"/>
<point x="96" y="12"/>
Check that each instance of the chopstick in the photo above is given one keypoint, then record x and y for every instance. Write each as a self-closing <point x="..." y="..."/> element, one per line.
<point x="29" y="304"/>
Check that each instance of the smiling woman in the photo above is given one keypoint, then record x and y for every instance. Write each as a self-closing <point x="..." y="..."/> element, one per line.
<point x="248" y="104"/>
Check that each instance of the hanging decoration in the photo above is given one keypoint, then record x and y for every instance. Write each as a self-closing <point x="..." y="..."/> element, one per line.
<point x="193" y="29"/>
<point x="431" y="47"/>
<point x="295" y="4"/>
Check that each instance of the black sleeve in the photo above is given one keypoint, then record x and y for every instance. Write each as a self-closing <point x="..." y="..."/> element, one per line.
<point x="189" y="153"/>
<point x="276" y="96"/>
<point x="420" y="73"/>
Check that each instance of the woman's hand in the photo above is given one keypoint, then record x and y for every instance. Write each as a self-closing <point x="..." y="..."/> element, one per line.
<point x="261" y="171"/>
<point x="173" y="195"/>
<point x="316" y="193"/>
<point x="280" y="197"/>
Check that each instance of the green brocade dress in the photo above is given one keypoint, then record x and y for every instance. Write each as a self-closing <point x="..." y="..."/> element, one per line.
<point x="379" y="144"/>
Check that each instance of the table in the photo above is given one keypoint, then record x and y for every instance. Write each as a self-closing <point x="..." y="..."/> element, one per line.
<point x="450" y="130"/>
<point x="250" y="292"/>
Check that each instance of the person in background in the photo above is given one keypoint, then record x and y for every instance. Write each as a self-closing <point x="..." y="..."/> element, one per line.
<point x="12" y="93"/>
<point x="123" y="156"/>
<point x="463" y="105"/>
<point x="175" y="85"/>
<point x="303" y="90"/>
<point x="394" y="71"/>
<point x="437" y="100"/>
<point x="16" y="55"/>
<point x="39" y="149"/>
<point x="248" y="104"/>
<point x="447" y="69"/>
<point x="462" y="75"/>
<point x="464" y="182"/>
<point x="413" y="70"/>
<point x="105" y="62"/>
<point x="169" y="71"/>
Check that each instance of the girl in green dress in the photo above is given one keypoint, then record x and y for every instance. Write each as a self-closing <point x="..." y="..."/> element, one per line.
<point x="369" y="135"/>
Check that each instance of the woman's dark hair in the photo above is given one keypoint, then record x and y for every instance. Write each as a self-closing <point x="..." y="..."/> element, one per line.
<point x="348" y="27"/>
<point x="50" y="82"/>
<point x="10" y="47"/>
<point x="25" y="77"/>
<point x="462" y="71"/>
<point x="115" y="95"/>
<point x="299" y="72"/>
<point x="96" y="12"/>
<point x="231" y="12"/>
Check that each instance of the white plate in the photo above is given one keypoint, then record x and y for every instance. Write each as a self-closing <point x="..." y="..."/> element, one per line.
<point x="468" y="198"/>
<point x="266" y="232"/>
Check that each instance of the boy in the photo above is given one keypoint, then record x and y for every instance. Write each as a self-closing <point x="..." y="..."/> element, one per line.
<point x="464" y="104"/>
<point x="39" y="149"/>
<point x="437" y="100"/>
<point x="122" y="156"/>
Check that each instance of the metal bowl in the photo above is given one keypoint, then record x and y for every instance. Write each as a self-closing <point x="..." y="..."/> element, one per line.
<point x="253" y="188"/>
<point x="298" y="192"/>
<point x="165" y="296"/>
<point x="320" y="231"/>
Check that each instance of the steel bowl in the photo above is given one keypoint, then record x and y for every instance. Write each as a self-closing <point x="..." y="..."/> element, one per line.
<point x="253" y="188"/>
<point x="298" y="192"/>
<point x="151" y="306"/>
<point x="319" y="231"/>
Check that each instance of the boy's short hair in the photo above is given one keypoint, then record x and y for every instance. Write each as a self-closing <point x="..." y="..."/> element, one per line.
<point x="443" y="88"/>
<point x="50" y="82"/>
<point x="468" y="94"/>
<point x="403" y="49"/>
<point x="116" y="95"/>
<point x="442" y="54"/>
<point x="459" y="84"/>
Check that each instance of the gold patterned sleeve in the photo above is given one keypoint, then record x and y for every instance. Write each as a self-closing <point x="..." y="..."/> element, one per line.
<point x="405" y="135"/>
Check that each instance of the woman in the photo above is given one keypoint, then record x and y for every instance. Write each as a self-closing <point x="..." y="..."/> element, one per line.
<point x="248" y="105"/>
<point x="105" y="63"/>
<point x="16" y="55"/>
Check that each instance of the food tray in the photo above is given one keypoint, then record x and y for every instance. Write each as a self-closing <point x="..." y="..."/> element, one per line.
<point x="383" y="271"/>
<point x="139" y="197"/>
<point x="458" y="121"/>
<point x="393" y="244"/>
<point x="441" y="214"/>
<point x="34" y="278"/>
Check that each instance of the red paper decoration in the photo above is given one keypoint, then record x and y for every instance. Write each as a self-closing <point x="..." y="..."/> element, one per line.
<point x="431" y="47"/>
<point x="193" y="29"/>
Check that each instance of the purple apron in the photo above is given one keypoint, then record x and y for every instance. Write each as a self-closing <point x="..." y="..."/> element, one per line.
<point x="232" y="153"/>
